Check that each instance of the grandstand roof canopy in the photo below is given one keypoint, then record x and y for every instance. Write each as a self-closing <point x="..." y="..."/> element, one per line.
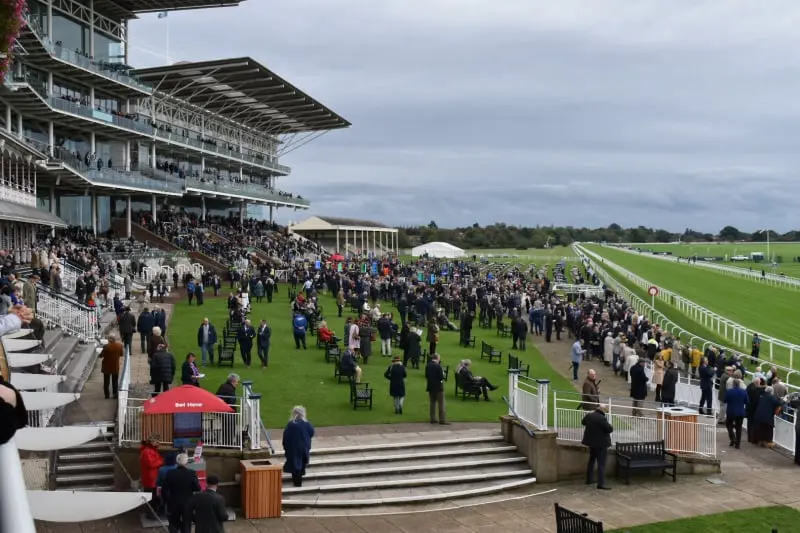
<point x="129" y="8"/>
<point x="246" y="91"/>
<point x="322" y="223"/>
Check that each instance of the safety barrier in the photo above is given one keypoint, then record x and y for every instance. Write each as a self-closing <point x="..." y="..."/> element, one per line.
<point x="528" y="399"/>
<point x="67" y="313"/>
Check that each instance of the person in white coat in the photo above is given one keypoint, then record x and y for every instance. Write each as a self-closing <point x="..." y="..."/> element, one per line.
<point x="608" y="349"/>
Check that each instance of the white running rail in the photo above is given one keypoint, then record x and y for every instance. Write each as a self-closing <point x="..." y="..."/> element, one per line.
<point x="740" y="335"/>
<point x="754" y="275"/>
<point x="72" y="317"/>
<point x="528" y="398"/>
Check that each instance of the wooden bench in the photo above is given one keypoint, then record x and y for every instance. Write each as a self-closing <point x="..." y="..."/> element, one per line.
<point x="502" y="329"/>
<point x="514" y="363"/>
<point x="645" y="456"/>
<point x="360" y="394"/>
<point x="571" y="522"/>
<point x="340" y="376"/>
<point x="488" y="352"/>
<point x="332" y="353"/>
<point x="467" y="389"/>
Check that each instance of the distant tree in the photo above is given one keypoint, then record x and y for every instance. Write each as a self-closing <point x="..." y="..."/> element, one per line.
<point x="432" y="225"/>
<point x="729" y="233"/>
<point x="615" y="227"/>
<point x="663" y="236"/>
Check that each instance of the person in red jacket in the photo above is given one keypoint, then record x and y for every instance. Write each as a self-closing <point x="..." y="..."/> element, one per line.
<point x="150" y="461"/>
<point x="325" y="333"/>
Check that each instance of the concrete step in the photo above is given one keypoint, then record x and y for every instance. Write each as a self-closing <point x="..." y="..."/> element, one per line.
<point x="63" y="352"/>
<point x="92" y="446"/>
<point x="401" y="479"/>
<point x="369" y="456"/>
<point x="51" y="338"/>
<point x="347" y="501"/>
<point x="98" y="478"/>
<point x="96" y="488"/>
<point x="68" y="457"/>
<point x="84" y="467"/>
<point x="400" y="444"/>
<point x="412" y="465"/>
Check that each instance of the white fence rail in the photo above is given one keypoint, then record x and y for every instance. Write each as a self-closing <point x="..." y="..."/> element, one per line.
<point x="746" y="273"/>
<point x="72" y="317"/>
<point x="683" y="430"/>
<point x="528" y="399"/>
<point x="738" y="334"/>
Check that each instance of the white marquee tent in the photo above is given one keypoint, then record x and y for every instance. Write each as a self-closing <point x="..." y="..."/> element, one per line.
<point x="438" y="249"/>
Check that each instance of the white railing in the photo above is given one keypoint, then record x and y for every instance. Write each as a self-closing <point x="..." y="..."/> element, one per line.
<point x="528" y="399"/>
<point x="738" y="334"/>
<point x="252" y="418"/>
<point x="69" y="276"/>
<point x="41" y="418"/>
<point x="73" y="318"/>
<point x="754" y="275"/>
<point x="122" y="403"/>
<point x="683" y="430"/>
<point x="570" y="288"/>
<point x="785" y="434"/>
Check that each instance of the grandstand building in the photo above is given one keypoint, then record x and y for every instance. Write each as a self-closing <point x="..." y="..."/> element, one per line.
<point x="98" y="137"/>
<point x="349" y="235"/>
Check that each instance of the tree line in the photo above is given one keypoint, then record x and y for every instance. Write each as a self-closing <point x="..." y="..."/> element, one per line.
<point x="501" y="235"/>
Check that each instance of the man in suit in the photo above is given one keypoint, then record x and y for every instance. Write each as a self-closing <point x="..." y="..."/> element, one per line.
<point x="179" y="486"/>
<point x="207" y="509"/>
<point x="206" y="339"/>
<point x="144" y="325"/>
<point x="264" y="336"/>
<point x="434" y="376"/>
<point x="245" y="337"/>
<point x="127" y="327"/>
<point x="160" y="320"/>
<point x="597" y="437"/>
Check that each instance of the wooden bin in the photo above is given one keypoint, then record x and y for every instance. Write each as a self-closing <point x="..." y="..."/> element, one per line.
<point x="262" y="489"/>
<point x="158" y="424"/>
<point x="681" y="429"/>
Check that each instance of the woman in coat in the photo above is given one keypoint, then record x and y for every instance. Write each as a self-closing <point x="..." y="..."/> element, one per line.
<point x="297" y="437"/>
<point x="365" y="333"/>
<point x="156" y="338"/>
<point x="354" y="341"/>
<point x="754" y="391"/>
<point x="190" y="375"/>
<point x="658" y="375"/>
<point x="396" y="374"/>
<point x="414" y="349"/>
<point x="433" y="336"/>
<point x="768" y="407"/>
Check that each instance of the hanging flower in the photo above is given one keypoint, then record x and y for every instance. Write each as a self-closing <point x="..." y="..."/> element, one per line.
<point x="12" y="20"/>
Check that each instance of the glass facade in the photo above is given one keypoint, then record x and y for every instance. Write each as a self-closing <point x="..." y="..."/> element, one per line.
<point x="77" y="211"/>
<point x="71" y="34"/>
<point x="106" y="49"/>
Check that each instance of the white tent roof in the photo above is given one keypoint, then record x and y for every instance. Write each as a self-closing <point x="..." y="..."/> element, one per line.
<point x="438" y="249"/>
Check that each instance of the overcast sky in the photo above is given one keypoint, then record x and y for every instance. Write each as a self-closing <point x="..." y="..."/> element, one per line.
<point x="584" y="112"/>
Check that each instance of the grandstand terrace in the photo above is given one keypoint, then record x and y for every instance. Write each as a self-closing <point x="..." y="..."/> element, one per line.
<point x="348" y="234"/>
<point x="106" y="138"/>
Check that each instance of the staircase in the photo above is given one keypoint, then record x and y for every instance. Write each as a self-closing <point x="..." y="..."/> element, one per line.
<point x="403" y="469"/>
<point x="89" y="467"/>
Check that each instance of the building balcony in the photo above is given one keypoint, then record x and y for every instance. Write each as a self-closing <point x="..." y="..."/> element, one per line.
<point x="106" y="76"/>
<point x="16" y="194"/>
<point x="222" y="150"/>
<point x="246" y="191"/>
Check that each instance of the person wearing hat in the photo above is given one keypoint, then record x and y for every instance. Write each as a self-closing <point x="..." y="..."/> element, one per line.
<point x="396" y="374"/>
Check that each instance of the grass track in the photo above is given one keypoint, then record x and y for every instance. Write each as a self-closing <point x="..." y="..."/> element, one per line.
<point x="759" y="520"/>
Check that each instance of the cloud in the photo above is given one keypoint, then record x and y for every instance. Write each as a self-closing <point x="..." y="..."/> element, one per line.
<point x="654" y="112"/>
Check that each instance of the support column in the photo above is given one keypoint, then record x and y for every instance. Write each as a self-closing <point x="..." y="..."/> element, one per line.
<point x="374" y="250"/>
<point x="270" y="214"/>
<point x="346" y="241"/>
<point x="153" y="155"/>
<point x="91" y="31"/>
<point x="128" y="218"/>
<point x="91" y="95"/>
<point x="8" y="118"/>
<point x="126" y="156"/>
<point x="242" y="208"/>
<point x="51" y="139"/>
<point x="20" y="128"/>
<point x="337" y="241"/>
<point x="241" y="174"/>
<point x="203" y="208"/>
<point x="93" y="142"/>
<point x="50" y="83"/>
<point x="50" y="21"/>
<point x="202" y="165"/>
<point x="153" y="207"/>
<point x="53" y="200"/>
<point x="94" y="214"/>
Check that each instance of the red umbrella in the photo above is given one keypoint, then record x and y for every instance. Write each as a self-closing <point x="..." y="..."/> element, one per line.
<point x="186" y="399"/>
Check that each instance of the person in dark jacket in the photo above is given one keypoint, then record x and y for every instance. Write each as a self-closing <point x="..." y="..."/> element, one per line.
<point x="263" y="339"/>
<point x="754" y="391"/>
<point x="434" y="378"/>
<point x="638" y="386"/>
<point x="465" y="376"/>
<point x="736" y="409"/>
<point x="706" y="374"/>
<point x="385" y="332"/>
<point x="768" y="406"/>
<point x="668" y="387"/>
<point x="348" y="365"/>
<point x="144" y="325"/>
<point x="597" y="437"/>
<point x="162" y="369"/>
<point x="190" y="375"/>
<point x="127" y="327"/>
<point x="245" y="337"/>
<point x="297" y="437"/>
<point x="179" y="486"/>
<point x="227" y="391"/>
<point x="207" y="509"/>
<point x="206" y="339"/>
<point x="299" y="327"/>
<point x="396" y="374"/>
<point x="160" y="319"/>
<point x="413" y="347"/>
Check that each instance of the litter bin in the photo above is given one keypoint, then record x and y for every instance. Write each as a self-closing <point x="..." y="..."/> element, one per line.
<point x="679" y="429"/>
<point x="262" y="489"/>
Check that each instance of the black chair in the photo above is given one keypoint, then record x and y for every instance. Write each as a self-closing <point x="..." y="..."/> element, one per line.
<point x="571" y="522"/>
<point x="360" y="394"/>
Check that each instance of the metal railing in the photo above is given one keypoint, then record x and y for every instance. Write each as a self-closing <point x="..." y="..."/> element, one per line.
<point x="67" y="313"/>
<point x="683" y="430"/>
<point x="528" y="399"/>
<point x="245" y="189"/>
<point x="738" y="334"/>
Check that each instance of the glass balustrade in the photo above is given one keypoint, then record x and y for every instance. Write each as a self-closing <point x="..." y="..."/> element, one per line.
<point x="244" y="189"/>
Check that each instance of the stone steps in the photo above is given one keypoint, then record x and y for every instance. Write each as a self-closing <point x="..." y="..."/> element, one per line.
<point x="88" y="467"/>
<point x="397" y="469"/>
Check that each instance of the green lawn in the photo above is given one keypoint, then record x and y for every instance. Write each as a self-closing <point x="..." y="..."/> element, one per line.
<point x="765" y="308"/>
<point x="758" y="520"/>
<point x="302" y="377"/>
<point x="783" y="252"/>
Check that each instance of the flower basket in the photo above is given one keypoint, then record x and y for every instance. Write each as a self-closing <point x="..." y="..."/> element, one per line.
<point x="12" y="20"/>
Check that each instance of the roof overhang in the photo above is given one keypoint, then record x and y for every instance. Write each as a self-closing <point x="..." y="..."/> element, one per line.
<point x="29" y="215"/>
<point x="128" y="9"/>
<point x="245" y="91"/>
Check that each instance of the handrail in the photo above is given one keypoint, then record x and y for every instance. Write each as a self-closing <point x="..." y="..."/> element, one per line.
<point x="514" y="412"/>
<point x="63" y="296"/>
<point x="266" y="434"/>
